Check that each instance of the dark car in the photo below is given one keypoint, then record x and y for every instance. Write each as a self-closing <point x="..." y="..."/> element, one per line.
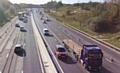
<point x="17" y="25"/>
<point x="60" y="51"/>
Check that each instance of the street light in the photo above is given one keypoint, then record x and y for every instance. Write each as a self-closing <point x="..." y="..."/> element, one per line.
<point x="79" y="12"/>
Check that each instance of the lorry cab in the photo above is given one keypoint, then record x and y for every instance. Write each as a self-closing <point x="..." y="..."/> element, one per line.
<point x="92" y="57"/>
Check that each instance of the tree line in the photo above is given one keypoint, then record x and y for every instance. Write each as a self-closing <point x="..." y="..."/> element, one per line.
<point x="9" y="10"/>
<point x="98" y="17"/>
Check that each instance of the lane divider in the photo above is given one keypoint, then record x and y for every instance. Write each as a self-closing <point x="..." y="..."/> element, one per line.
<point x="48" y="64"/>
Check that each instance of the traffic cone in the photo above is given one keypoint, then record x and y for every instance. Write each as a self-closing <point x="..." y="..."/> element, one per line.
<point x="111" y="59"/>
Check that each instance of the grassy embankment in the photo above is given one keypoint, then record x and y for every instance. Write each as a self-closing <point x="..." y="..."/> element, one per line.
<point x="73" y="20"/>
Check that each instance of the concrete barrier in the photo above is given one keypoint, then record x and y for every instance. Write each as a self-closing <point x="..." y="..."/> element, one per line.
<point x="6" y="40"/>
<point x="48" y="64"/>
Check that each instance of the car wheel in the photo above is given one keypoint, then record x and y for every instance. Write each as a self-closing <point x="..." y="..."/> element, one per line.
<point x="57" y="56"/>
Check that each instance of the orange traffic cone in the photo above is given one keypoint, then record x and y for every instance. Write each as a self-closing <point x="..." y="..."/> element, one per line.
<point x="111" y="59"/>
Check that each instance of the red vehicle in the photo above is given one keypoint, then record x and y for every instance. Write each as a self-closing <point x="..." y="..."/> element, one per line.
<point x="60" y="51"/>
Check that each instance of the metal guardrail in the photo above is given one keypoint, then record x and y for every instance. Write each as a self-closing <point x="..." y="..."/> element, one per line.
<point x="48" y="64"/>
<point x="102" y="42"/>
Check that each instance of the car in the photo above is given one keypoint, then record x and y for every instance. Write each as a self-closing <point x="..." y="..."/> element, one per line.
<point x="25" y="20"/>
<point x="22" y="28"/>
<point x="45" y="31"/>
<point x="44" y="21"/>
<point x="17" y="24"/>
<point x="47" y="19"/>
<point x="41" y="18"/>
<point x="60" y="51"/>
<point x="18" y="48"/>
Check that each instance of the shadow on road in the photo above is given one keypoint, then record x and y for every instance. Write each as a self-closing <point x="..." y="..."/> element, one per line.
<point x="104" y="70"/>
<point x="24" y="31"/>
<point x="21" y="54"/>
<point x="50" y="35"/>
<point x="68" y="60"/>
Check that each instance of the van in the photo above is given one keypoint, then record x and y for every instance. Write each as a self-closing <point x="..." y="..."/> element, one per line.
<point x="45" y="31"/>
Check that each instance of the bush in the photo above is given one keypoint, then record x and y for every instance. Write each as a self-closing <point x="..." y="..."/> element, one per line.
<point x="68" y="12"/>
<point x="100" y="25"/>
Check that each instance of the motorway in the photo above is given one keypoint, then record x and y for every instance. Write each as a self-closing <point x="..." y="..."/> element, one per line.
<point x="59" y="32"/>
<point x="29" y="62"/>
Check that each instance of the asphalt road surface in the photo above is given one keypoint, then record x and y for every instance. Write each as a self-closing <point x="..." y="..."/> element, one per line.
<point x="62" y="32"/>
<point x="31" y="62"/>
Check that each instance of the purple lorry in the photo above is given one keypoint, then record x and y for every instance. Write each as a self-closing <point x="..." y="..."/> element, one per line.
<point x="90" y="56"/>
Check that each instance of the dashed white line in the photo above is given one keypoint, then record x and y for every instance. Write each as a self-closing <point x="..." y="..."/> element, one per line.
<point x="22" y="72"/>
<point x="0" y="72"/>
<point x="108" y="60"/>
<point x="7" y="55"/>
<point x="55" y="40"/>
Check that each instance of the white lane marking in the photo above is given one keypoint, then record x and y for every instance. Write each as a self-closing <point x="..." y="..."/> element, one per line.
<point x="0" y="72"/>
<point x="108" y="60"/>
<point x="54" y="55"/>
<point x="55" y="40"/>
<point x="22" y="72"/>
<point x="7" y="55"/>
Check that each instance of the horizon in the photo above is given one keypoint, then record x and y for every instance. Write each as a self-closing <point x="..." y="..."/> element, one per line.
<point x="37" y="2"/>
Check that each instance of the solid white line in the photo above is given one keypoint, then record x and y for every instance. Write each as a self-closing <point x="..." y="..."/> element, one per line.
<point x="22" y="72"/>
<point x="0" y="72"/>
<point x="7" y="55"/>
<point x="108" y="60"/>
<point x="53" y="53"/>
<point x="55" y="40"/>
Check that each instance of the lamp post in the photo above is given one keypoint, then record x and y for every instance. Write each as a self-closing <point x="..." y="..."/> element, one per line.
<point x="79" y="13"/>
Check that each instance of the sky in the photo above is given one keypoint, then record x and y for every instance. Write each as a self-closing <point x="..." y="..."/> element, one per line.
<point x="45" y="1"/>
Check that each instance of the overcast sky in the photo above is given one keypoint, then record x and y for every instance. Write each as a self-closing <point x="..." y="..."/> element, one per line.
<point x="45" y="1"/>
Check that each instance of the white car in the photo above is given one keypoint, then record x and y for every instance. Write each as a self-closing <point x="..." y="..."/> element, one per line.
<point x="44" y="21"/>
<point x="18" y="48"/>
<point x="45" y="31"/>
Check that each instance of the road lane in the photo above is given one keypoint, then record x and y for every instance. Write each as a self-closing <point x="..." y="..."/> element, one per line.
<point x="70" y="33"/>
<point x="69" y="65"/>
<point x="31" y="62"/>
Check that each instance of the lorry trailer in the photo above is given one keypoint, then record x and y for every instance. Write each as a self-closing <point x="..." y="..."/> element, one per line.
<point x="90" y="56"/>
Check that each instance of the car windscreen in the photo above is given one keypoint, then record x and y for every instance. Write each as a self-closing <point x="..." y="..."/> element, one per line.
<point x="46" y="31"/>
<point x="61" y="50"/>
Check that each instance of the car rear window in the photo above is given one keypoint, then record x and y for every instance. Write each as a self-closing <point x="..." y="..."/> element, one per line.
<point x="18" y="48"/>
<point x="61" y="50"/>
<point x="46" y="30"/>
